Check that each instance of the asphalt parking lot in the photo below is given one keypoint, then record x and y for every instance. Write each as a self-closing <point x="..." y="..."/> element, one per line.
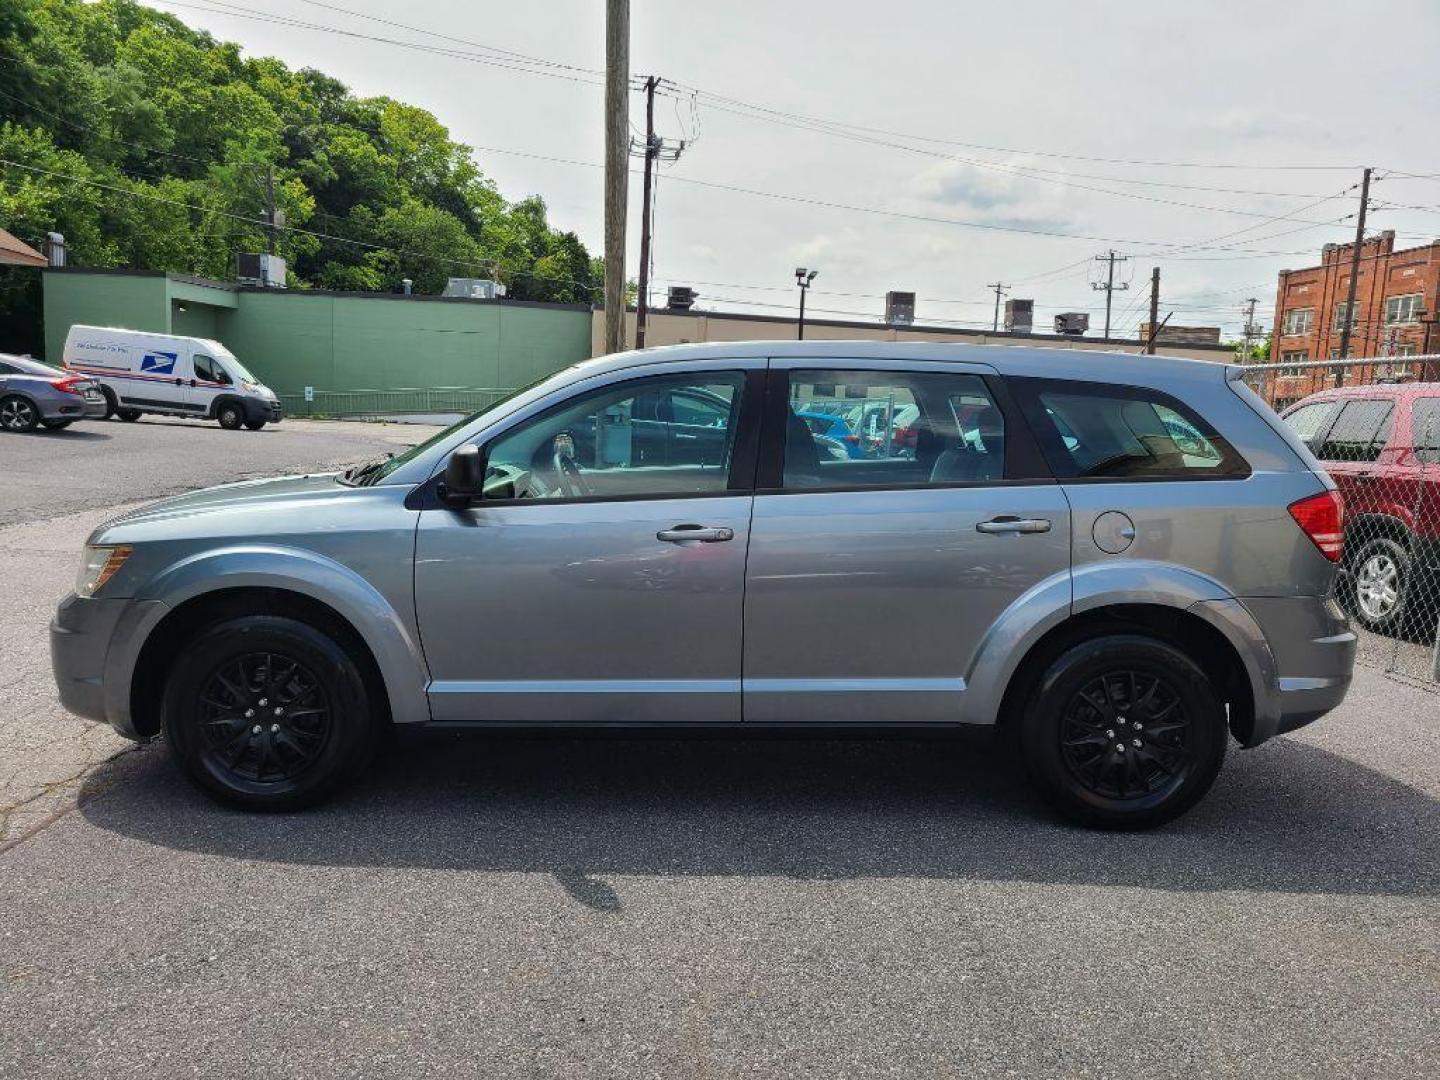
<point x="508" y="906"/>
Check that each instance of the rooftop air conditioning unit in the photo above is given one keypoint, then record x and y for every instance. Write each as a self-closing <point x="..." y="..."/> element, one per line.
<point x="900" y="308"/>
<point x="266" y="271"/>
<point x="681" y="298"/>
<point x="1019" y="316"/>
<point x="471" y="288"/>
<point x="1072" y="323"/>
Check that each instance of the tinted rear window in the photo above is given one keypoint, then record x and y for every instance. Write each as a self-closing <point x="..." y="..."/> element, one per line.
<point x="1359" y="432"/>
<point x="1094" y="431"/>
<point x="1425" y="420"/>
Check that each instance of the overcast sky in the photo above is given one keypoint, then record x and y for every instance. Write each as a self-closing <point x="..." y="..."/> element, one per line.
<point x="1241" y="84"/>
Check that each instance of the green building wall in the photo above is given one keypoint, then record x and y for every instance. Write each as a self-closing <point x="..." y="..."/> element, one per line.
<point x="330" y="341"/>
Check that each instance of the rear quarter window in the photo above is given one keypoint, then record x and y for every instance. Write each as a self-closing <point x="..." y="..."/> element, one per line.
<point x="1099" y="431"/>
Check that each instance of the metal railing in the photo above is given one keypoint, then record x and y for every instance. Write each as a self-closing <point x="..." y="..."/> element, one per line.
<point x="399" y="401"/>
<point x="1374" y="423"/>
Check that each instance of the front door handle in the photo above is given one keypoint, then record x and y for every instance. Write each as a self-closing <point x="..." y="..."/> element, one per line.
<point x="1008" y="523"/>
<point x="695" y="534"/>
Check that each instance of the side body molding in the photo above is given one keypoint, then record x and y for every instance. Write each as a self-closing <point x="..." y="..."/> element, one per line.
<point x="390" y="637"/>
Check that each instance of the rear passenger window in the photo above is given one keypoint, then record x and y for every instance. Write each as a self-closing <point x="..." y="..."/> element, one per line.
<point x="1360" y="431"/>
<point x="1093" y="431"/>
<point x="1310" y="420"/>
<point x="1425" y="422"/>
<point x="856" y="429"/>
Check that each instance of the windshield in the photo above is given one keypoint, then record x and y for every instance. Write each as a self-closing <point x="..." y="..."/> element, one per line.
<point x="237" y="370"/>
<point x="373" y="472"/>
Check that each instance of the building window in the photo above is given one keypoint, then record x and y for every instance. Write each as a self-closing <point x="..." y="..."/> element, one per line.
<point x="1340" y="319"/>
<point x="1294" y="358"/>
<point x="1403" y="309"/>
<point x="1298" y="321"/>
<point x="1409" y="348"/>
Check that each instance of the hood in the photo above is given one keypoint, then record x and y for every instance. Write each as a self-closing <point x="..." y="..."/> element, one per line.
<point x="246" y="496"/>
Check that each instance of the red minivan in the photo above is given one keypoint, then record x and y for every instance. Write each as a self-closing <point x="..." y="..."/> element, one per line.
<point x="1381" y="443"/>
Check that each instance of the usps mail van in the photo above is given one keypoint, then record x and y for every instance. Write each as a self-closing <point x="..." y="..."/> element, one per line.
<point x="140" y="372"/>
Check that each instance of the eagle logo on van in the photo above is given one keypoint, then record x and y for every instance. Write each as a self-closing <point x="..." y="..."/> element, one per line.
<point x="158" y="363"/>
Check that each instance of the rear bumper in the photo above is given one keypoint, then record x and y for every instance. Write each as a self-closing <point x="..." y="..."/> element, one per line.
<point x="1314" y="650"/>
<point x="70" y="407"/>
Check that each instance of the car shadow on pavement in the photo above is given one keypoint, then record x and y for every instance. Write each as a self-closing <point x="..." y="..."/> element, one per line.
<point x="1288" y="817"/>
<point x="71" y="435"/>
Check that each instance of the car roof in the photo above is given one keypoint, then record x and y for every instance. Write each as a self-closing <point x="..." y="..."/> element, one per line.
<point x="30" y="364"/>
<point x="1056" y="363"/>
<point x="1399" y="390"/>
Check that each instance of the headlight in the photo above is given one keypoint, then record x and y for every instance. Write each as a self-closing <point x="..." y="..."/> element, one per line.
<point x="97" y="566"/>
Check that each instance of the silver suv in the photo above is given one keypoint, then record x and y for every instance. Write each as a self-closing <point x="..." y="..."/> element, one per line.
<point x="1116" y="561"/>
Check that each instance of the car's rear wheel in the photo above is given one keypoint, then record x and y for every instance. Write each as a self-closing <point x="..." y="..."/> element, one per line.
<point x="128" y="415"/>
<point x="56" y="425"/>
<point x="268" y="713"/>
<point x="255" y="425"/>
<point x="229" y="416"/>
<point x="1379" y="580"/>
<point x="1123" y="731"/>
<point x="18" y="413"/>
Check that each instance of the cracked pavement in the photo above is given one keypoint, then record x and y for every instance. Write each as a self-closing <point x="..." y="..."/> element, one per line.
<point x="57" y="486"/>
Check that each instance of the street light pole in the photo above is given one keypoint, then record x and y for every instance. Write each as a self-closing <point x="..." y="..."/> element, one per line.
<point x="803" y="278"/>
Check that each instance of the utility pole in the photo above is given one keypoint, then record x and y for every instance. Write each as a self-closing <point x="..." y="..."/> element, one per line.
<point x="1354" y="275"/>
<point x="1252" y="330"/>
<point x="654" y="151"/>
<point x="1154" y="308"/>
<point x="617" y="142"/>
<point x="1109" y="286"/>
<point x="270" y="209"/>
<point x="997" y="288"/>
<point x="642" y="299"/>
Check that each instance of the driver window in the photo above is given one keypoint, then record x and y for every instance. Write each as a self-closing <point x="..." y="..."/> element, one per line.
<point x="207" y="369"/>
<point x="669" y="435"/>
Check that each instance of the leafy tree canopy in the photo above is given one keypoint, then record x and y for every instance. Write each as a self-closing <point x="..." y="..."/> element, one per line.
<point x="147" y="144"/>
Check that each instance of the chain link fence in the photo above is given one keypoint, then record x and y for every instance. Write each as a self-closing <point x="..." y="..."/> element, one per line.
<point x="403" y="401"/>
<point x="1374" y="423"/>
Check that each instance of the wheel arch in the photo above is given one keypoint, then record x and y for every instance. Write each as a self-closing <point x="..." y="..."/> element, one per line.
<point x="227" y="399"/>
<point x="1370" y="526"/>
<point x="221" y="585"/>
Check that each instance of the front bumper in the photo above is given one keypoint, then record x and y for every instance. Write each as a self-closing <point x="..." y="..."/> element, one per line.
<point x="268" y="411"/>
<point x="93" y="651"/>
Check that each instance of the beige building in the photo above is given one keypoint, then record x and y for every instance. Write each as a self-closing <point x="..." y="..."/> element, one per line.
<point x="665" y="327"/>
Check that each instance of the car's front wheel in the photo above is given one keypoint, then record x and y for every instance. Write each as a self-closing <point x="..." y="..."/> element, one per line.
<point x="1123" y="731"/>
<point x="268" y="713"/>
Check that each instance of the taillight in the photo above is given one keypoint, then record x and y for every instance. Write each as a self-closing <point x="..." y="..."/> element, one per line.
<point x="1322" y="517"/>
<point x="68" y="384"/>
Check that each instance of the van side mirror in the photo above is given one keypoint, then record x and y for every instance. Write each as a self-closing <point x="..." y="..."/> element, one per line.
<point x="464" y="480"/>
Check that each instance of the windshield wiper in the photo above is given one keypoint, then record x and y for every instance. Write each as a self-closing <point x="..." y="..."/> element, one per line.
<point x="358" y="474"/>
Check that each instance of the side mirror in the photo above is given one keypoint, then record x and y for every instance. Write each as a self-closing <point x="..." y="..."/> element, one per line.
<point x="464" y="480"/>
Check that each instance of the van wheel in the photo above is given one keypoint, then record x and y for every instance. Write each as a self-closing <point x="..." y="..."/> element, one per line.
<point x="1123" y="732"/>
<point x="1379" y="574"/>
<point x="18" y="414"/>
<point x="255" y="425"/>
<point x="229" y="416"/>
<point x="128" y="415"/>
<point x="111" y="405"/>
<point x="268" y="713"/>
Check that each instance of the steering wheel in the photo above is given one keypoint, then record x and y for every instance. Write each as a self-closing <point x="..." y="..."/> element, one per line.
<point x="567" y="469"/>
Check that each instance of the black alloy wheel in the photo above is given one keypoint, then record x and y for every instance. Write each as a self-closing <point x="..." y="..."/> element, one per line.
<point x="264" y="717"/>
<point x="1126" y="734"/>
<point x="1122" y="731"/>
<point x="267" y="712"/>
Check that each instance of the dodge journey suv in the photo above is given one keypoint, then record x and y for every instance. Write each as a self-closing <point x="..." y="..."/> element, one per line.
<point x="1118" y="562"/>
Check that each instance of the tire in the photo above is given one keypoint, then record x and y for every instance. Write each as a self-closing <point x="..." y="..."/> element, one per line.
<point x="229" y="415"/>
<point x="111" y="405"/>
<point x="1086" y="701"/>
<point x="128" y="415"/>
<point x="56" y="425"/>
<point x="297" y="758"/>
<point x="1378" y="593"/>
<point x="18" y="413"/>
<point x="255" y="425"/>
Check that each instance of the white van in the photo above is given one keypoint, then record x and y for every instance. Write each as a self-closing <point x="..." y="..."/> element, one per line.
<point x="140" y="372"/>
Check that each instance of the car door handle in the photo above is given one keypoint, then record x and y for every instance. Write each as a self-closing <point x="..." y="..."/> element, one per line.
<point x="695" y="534"/>
<point x="1007" y="523"/>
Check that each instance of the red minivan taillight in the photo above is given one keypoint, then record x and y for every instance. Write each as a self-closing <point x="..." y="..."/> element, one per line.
<point x="1322" y="517"/>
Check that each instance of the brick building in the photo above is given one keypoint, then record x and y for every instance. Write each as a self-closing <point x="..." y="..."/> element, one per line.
<point x="1396" y="301"/>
